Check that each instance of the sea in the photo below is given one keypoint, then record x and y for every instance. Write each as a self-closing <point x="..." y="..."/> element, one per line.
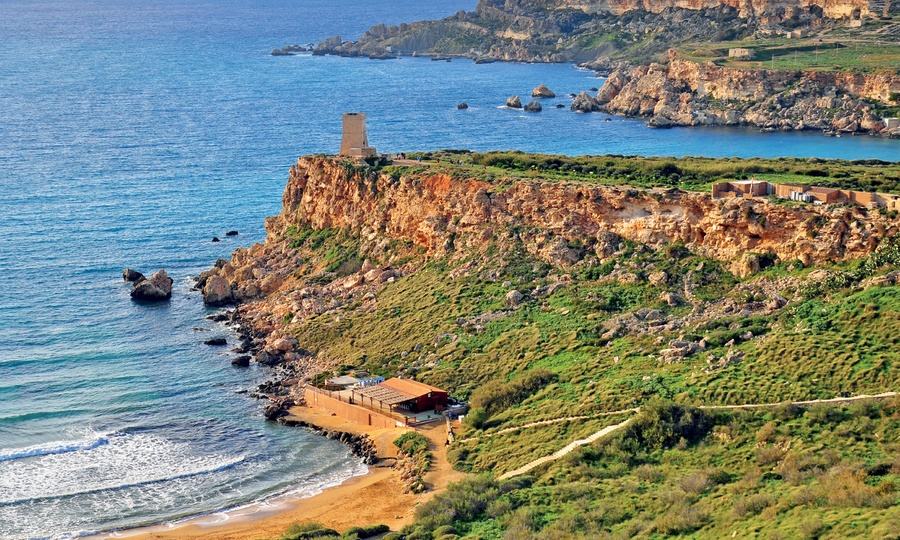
<point x="131" y="133"/>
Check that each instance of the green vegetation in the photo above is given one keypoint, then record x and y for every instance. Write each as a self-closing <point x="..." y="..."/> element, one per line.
<point x="587" y="343"/>
<point x="309" y="531"/>
<point x="830" y="54"/>
<point x="819" y="472"/>
<point x="416" y="458"/>
<point x="690" y="173"/>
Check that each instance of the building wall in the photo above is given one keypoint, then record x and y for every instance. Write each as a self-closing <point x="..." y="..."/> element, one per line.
<point x="353" y="413"/>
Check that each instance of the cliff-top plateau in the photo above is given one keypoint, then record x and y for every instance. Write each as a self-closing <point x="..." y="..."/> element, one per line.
<point x="608" y="302"/>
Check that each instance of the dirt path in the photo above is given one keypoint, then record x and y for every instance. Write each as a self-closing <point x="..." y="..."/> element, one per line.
<point x="610" y="429"/>
<point x="549" y="422"/>
<point x="565" y="450"/>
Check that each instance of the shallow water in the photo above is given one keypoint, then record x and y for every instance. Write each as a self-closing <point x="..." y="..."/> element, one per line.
<point x="130" y="134"/>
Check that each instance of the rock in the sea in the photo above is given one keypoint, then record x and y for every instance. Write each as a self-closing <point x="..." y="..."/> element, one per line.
<point x="216" y="341"/>
<point x="217" y="291"/>
<point x="231" y="233"/>
<point x="132" y="276"/>
<point x="533" y="106"/>
<point x="541" y="91"/>
<point x="513" y="102"/>
<point x="462" y="106"/>
<point x="157" y="287"/>
<point x="583" y="102"/>
<point x="215" y="239"/>
<point x="560" y="106"/>
<point x="241" y="361"/>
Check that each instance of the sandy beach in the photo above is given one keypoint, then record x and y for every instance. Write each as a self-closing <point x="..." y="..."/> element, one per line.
<point x="374" y="498"/>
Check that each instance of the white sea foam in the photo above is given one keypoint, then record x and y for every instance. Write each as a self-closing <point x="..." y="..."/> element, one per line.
<point x="122" y="461"/>
<point x="61" y="447"/>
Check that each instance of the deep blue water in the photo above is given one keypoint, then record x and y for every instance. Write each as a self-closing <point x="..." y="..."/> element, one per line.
<point x="131" y="132"/>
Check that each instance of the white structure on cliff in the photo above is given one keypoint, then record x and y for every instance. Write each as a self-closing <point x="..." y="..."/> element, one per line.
<point x="355" y="142"/>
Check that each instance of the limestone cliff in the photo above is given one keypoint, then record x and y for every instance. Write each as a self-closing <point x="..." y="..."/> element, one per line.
<point x="398" y="221"/>
<point x="684" y="92"/>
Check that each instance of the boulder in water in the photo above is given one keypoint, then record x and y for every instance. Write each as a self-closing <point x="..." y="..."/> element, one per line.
<point x="513" y="102"/>
<point x="241" y="361"/>
<point x="216" y="341"/>
<point x="541" y="91"/>
<point x="217" y="291"/>
<point x="215" y="239"/>
<point x="462" y="106"/>
<point x="533" y="106"/>
<point x="158" y="287"/>
<point x="132" y="276"/>
<point x="231" y="233"/>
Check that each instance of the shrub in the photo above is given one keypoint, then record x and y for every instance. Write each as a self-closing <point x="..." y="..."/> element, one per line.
<point x="649" y="473"/>
<point x="767" y="455"/>
<point x="466" y="500"/>
<point x="412" y="443"/>
<point x="366" y="532"/>
<point x="752" y="505"/>
<point x="662" y="424"/>
<point x="476" y="418"/>
<point x="495" y="397"/>
<point x="766" y="433"/>
<point x="681" y="520"/>
<point x="306" y="531"/>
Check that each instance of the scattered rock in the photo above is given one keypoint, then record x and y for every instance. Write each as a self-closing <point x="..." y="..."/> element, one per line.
<point x="514" y="298"/>
<point x="132" y="276"/>
<point x="583" y="102"/>
<point x="513" y="102"/>
<point x="533" y="106"/>
<point x="215" y="239"/>
<point x="158" y="287"/>
<point x="231" y="233"/>
<point x="462" y="106"/>
<point x="216" y="341"/>
<point x="541" y="91"/>
<point x="241" y="361"/>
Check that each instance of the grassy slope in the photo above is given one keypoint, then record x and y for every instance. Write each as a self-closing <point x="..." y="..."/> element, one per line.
<point x="818" y="347"/>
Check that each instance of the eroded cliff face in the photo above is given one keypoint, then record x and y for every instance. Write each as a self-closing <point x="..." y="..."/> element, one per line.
<point x="683" y="92"/>
<point x="445" y="215"/>
<point x="398" y="222"/>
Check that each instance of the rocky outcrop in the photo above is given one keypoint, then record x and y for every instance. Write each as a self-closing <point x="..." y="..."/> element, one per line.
<point x="156" y="288"/>
<point x="686" y="93"/>
<point x="513" y="102"/>
<point x="533" y="106"/>
<point x="361" y="446"/>
<point x="541" y="91"/>
<point x="132" y="276"/>
<point x="431" y="209"/>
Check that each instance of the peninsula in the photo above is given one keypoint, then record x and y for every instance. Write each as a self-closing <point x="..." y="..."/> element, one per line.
<point x="775" y="65"/>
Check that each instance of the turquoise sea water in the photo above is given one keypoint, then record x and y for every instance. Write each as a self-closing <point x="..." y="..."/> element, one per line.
<point x="131" y="133"/>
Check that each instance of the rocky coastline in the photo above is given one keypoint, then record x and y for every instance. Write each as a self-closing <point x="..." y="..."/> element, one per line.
<point x="633" y="44"/>
<point x="681" y="92"/>
<point x="437" y="214"/>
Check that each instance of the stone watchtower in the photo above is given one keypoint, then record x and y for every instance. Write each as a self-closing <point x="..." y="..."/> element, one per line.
<point x="355" y="142"/>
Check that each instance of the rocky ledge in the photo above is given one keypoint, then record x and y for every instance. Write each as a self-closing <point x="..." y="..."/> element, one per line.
<point x="686" y="93"/>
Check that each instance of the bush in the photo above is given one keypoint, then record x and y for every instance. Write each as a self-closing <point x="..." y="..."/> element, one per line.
<point x="661" y="425"/>
<point x="752" y="505"/>
<point x="366" y="532"/>
<point x="476" y="418"/>
<point x="307" y="531"/>
<point x="466" y="500"/>
<point x="412" y="443"/>
<point x="495" y="397"/>
<point x="680" y="520"/>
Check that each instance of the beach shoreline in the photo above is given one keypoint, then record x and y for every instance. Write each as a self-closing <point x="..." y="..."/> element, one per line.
<point x="375" y="497"/>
